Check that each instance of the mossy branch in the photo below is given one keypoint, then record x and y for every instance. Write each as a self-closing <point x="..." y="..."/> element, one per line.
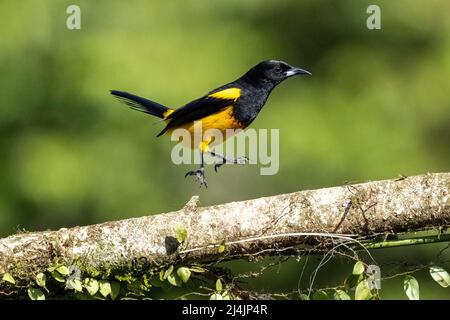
<point x="234" y="230"/>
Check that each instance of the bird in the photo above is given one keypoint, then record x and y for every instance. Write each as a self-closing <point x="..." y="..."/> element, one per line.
<point x="234" y="105"/>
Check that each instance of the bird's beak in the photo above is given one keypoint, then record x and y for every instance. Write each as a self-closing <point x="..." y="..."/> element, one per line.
<point x="294" y="70"/>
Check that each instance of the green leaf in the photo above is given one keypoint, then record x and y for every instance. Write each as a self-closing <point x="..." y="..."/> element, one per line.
<point x="91" y="286"/>
<point x="362" y="291"/>
<point x="146" y="280"/>
<point x="63" y="270"/>
<point x="226" y="296"/>
<point x="221" y="247"/>
<point x="174" y="280"/>
<point x="181" y="233"/>
<point x="137" y="287"/>
<point x="36" y="294"/>
<point x="128" y="277"/>
<point x="440" y="276"/>
<point x="352" y="281"/>
<point x="184" y="274"/>
<point x="50" y="269"/>
<point x="95" y="273"/>
<point x="74" y="284"/>
<point x="41" y="279"/>
<point x="8" y="278"/>
<point x="341" y="295"/>
<point x="57" y="276"/>
<point x="218" y="285"/>
<point x="320" y="295"/>
<point x="197" y="269"/>
<point x="216" y="296"/>
<point x="115" y="289"/>
<point x="358" y="268"/>
<point x="168" y="272"/>
<point x="411" y="287"/>
<point x="104" y="288"/>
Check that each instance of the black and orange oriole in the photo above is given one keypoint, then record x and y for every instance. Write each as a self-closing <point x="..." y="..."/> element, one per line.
<point x="231" y="106"/>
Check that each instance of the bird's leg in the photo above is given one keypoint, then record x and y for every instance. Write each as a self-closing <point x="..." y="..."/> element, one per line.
<point x="238" y="160"/>
<point x="200" y="173"/>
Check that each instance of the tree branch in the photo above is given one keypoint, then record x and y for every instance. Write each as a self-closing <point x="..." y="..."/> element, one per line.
<point x="244" y="228"/>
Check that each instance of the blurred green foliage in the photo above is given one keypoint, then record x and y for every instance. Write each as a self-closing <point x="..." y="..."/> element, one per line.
<point x="376" y="106"/>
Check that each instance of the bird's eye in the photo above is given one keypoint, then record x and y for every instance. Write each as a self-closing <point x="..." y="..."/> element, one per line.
<point x="278" y="69"/>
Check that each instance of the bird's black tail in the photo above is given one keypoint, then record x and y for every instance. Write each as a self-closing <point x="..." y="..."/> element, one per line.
<point x="141" y="104"/>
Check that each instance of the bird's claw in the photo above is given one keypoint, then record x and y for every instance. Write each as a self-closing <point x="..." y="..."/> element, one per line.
<point x="199" y="175"/>
<point x="241" y="160"/>
<point x="238" y="160"/>
<point x="218" y="165"/>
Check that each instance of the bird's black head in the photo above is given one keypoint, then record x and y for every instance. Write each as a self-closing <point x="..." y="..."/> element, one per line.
<point x="272" y="72"/>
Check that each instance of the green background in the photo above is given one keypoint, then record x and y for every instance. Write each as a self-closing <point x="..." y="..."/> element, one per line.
<point x="376" y="106"/>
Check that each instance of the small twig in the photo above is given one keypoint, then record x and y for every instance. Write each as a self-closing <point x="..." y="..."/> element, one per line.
<point x="347" y="209"/>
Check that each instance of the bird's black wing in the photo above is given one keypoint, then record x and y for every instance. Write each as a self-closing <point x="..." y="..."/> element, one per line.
<point x="205" y="106"/>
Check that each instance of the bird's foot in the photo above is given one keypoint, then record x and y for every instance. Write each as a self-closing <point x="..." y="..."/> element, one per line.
<point x="199" y="175"/>
<point x="238" y="160"/>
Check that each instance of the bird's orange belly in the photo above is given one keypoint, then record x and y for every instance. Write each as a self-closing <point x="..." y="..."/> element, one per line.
<point x="211" y="130"/>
